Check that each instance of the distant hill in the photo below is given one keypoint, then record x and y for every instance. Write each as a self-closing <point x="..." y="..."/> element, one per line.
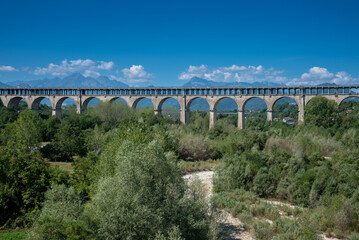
<point x="200" y="82"/>
<point x="73" y="80"/>
<point x="3" y="85"/>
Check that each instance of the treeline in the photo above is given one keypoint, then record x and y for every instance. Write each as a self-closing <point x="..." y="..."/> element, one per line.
<point x="128" y="166"/>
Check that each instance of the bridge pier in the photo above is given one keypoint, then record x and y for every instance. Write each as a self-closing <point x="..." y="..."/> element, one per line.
<point x="57" y="113"/>
<point x="158" y="112"/>
<point x="241" y="119"/>
<point x="184" y="116"/>
<point x="270" y="115"/>
<point x="212" y="117"/>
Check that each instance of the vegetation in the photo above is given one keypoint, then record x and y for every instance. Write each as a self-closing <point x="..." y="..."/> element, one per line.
<point x="114" y="173"/>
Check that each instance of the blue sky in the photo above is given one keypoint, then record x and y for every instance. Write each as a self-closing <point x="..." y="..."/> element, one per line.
<point x="165" y="43"/>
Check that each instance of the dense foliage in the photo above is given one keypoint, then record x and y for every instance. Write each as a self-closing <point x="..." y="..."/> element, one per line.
<point x="126" y="178"/>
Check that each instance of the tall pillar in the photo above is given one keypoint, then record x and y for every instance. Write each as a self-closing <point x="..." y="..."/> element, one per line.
<point x="57" y="113"/>
<point x="158" y="112"/>
<point x="301" y="114"/>
<point x="301" y="109"/>
<point x="241" y="119"/>
<point x="270" y="115"/>
<point x="79" y="109"/>
<point x="212" y="118"/>
<point x="184" y="116"/>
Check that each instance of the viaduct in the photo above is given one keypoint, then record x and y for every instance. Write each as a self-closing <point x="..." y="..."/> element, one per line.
<point x="184" y="96"/>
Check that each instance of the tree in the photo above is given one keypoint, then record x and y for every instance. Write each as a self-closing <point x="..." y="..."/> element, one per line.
<point x="28" y="127"/>
<point x="69" y="141"/>
<point x="60" y="217"/>
<point x="24" y="178"/>
<point x="146" y="197"/>
<point x="321" y="112"/>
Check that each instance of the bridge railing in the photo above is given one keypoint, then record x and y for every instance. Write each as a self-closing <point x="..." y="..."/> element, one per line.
<point x="217" y="91"/>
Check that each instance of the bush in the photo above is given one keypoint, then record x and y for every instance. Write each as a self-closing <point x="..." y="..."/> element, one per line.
<point x="146" y="197"/>
<point x="60" y="216"/>
<point x="262" y="231"/>
<point x="195" y="148"/>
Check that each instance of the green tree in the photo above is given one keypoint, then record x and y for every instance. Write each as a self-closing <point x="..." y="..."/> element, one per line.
<point x="69" y="141"/>
<point x="60" y="217"/>
<point x="7" y="115"/>
<point x="146" y="197"/>
<point x="321" y="112"/>
<point x="24" y="178"/>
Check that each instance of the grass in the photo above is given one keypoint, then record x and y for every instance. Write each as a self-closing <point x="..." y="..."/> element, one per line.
<point x="12" y="235"/>
<point x="66" y="166"/>
<point x="197" y="165"/>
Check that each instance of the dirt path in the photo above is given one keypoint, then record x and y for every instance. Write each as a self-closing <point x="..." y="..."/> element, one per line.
<point x="232" y="227"/>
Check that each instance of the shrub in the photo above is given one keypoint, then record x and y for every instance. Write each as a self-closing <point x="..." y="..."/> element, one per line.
<point x="146" y="197"/>
<point x="60" y="216"/>
<point x="195" y="148"/>
<point x="262" y="230"/>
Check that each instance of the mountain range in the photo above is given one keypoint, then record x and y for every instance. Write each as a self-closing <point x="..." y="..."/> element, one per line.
<point x="78" y="80"/>
<point x="73" y="80"/>
<point x="200" y="82"/>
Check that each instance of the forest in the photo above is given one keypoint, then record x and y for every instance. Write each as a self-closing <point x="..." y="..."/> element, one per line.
<point x="117" y="173"/>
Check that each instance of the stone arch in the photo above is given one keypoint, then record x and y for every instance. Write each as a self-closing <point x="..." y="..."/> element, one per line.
<point x="210" y="105"/>
<point x="162" y="101"/>
<point x="341" y="100"/>
<point x="14" y="102"/>
<point x="36" y="103"/>
<point x="86" y="102"/>
<point x="119" y="98"/>
<point x="276" y="113"/>
<point x="242" y="112"/>
<point x="245" y="101"/>
<point x="190" y="101"/>
<point x="275" y="100"/>
<point x="60" y="101"/>
<point x="137" y="100"/>
<point x="222" y="98"/>
<point x="215" y="110"/>
<point x="338" y="100"/>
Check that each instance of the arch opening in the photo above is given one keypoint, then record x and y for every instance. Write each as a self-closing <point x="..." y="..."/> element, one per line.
<point x="255" y="113"/>
<point x="119" y="101"/>
<point x="285" y="110"/>
<point x="42" y="106"/>
<point x="227" y="110"/>
<point x="349" y="106"/>
<point x="170" y="108"/>
<point x="18" y="103"/>
<point x="66" y="106"/>
<point x="143" y="103"/>
<point x="199" y="111"/>
<point x="90" y="102"/>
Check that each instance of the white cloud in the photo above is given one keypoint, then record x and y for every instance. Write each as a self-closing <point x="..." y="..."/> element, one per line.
<point x="116" y="78"/>
<point x="317" y="73"/>
<point x="79" y="65"/>
<point x="136" y="74"/>
<point x="320" y="75"/>
<point x="8" y="69"/>
<point x="232" y="73"/>
<point x="90" y="73"/>
<point x="106" y="65"/>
